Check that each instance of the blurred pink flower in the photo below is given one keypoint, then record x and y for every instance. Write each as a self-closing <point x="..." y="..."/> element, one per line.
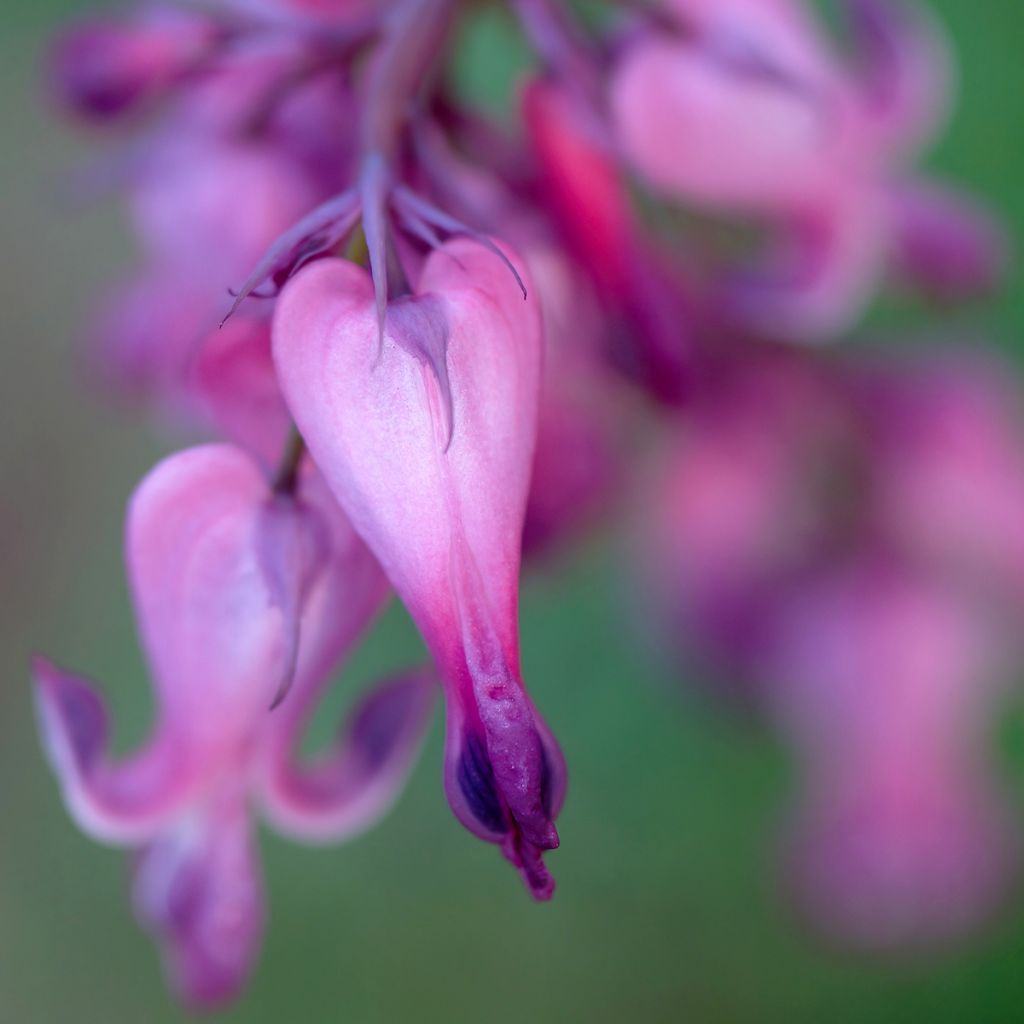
<point x="578" y="456"/>
<point x="243" y="598"/>
<point x="102" y="69"/>
<point x="643" y="295"/>
<point x="946" y="430"/>
<point x="842" y="542"/>
<point x="885" y="686"/>
<point x="747" y="110"/>
<point x="749" y="490"/>
<point x="235" y="163"/>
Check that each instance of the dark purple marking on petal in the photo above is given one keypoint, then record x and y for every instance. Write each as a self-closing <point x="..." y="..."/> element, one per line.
<point x="384" y="719"/>
<point x="81" y="711"/>
<point x="878" y="29"/>
<point x="420" y="326"/>
<point x="475" y="775"/>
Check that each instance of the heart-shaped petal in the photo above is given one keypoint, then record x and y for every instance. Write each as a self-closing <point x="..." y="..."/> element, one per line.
<point x="426" y="439"/>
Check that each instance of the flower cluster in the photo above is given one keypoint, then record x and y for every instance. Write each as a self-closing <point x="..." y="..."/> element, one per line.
<point x="425" y="343"/>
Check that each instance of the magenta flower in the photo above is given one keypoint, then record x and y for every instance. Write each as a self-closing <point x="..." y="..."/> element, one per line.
<point x="746" y="109"/>
<point x="244" y="599"/>
<point x="885" y="686"/>
<point x="845" y="546"/>
<point x="426" y="435"/>
<point x="947" y="440"/>
<point x="327" y="280"/>
<point x="746" y="494"/>
<point x="647" y="309"/>
<point x="104" y="69"/>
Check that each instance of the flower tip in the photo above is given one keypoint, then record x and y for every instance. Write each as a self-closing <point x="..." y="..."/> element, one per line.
<point x="528" y="859"/>
<point x="283" y="690"/>
<point x="72" y="718"/>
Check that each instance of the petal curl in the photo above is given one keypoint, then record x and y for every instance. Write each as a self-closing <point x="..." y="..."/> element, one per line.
<point x="117" y="802"/>
<point x="352" y="785"/>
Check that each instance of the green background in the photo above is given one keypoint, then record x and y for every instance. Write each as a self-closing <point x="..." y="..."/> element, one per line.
<point x="666" y="907"/>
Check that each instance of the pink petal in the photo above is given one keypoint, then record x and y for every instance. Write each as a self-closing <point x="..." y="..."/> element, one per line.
<point x="212" y="207"/>
<point x="905" y="72"/>
<point x="917" y="858"/>
<point x="438" y="496"/>
<point x="818" y="274"/>
<point x="700" y="132"/>
<point x="148" y="331"/>
<point x="198" y="889"/>
<point x="647" y="308"/>
<point x="105" y="69"/>
<point x="218" y="633"/>
<point x="118" y="802"/>
<point x="886" y="683"/>
<point x="351" y="786"/>
<point x="948" y="244"/>
<point x="234" y="380"/>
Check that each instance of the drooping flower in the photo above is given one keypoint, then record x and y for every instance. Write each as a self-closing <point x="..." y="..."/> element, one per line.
<point x="946" y="432"/>
<point x="578" y="454"/>
<point x="426" y="436"/>
<point x="840" y="542"/>
<point x="747" y="110"/>
<point x="757" y="482"/>
<point x="244" y="598"/>
<point x="885" y="686"/>
<point x="104" y="69"/>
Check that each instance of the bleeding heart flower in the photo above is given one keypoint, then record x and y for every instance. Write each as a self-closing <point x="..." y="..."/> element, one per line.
<point x="244" y="598"/>
<point x="746" y="110"/>
<point x="425" y="434"/>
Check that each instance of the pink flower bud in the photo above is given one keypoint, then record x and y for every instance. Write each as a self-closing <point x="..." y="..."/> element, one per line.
<point x="104" y="69"/>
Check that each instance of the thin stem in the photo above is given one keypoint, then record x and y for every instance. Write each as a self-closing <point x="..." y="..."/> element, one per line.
<point x="287" y="476"/>
<point x="411" y="45"/>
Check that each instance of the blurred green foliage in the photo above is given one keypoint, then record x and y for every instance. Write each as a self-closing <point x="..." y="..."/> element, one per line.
<point x="666" y="908"/>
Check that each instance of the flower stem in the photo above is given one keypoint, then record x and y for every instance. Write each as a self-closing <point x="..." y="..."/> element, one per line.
<point x="286" y="477"/>
<point x="412" y="43"/>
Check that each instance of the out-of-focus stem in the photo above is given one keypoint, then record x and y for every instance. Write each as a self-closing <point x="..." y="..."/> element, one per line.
<point x="287" y="475"/>
<point x="558" y="41"/>
<point x="412" y="42"/>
